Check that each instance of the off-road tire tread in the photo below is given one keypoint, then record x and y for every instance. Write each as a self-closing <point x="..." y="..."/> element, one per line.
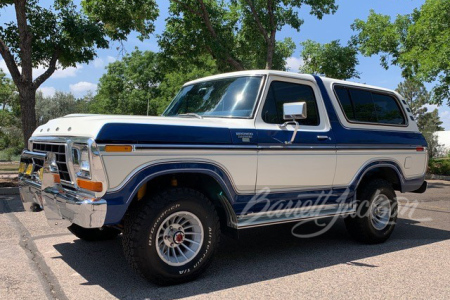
<point x="150" y="207"/>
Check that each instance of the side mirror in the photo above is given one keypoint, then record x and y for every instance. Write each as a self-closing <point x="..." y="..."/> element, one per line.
<point x="294" y="111"/>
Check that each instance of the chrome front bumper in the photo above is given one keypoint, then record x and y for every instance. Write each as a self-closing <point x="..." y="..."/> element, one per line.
<point x="62" y="206"/>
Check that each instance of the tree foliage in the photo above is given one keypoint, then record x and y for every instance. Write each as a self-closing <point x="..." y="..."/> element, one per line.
<point x="174" y="79"/>
<point x="56" y="106"/>
<point x="128" y="85"/>
<point x="416" y="96"/>
<point x="8" y="95"/>
<point x="141" y="83"/>
<point x="331" y="59"/>
<point x="237" y="34"/>
<point x="418" y="43"/>
<point x="61" y="36"/>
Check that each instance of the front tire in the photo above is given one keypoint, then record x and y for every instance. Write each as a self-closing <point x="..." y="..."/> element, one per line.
<point x="171" y="237"/>
<point x="376" y="213"/>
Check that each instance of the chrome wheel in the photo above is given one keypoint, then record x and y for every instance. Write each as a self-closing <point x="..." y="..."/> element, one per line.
<point x="380" y="212"/>
<point x="180" y="238"/>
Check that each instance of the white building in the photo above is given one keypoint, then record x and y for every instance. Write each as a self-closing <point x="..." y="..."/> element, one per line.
<point x="444" y="139"/>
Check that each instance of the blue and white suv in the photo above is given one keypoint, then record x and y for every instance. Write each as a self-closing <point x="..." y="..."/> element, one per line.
<point x="231" y="151"/>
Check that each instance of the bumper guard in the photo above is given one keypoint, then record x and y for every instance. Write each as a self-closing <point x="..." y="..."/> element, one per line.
<point x="62" y="207"/>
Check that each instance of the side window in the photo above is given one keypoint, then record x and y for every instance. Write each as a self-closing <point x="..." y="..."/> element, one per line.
<point x="388" y="111"/>
<point x="363" y="106"/>
<point x="287" y="92"/>
<point x="369" y="107"/>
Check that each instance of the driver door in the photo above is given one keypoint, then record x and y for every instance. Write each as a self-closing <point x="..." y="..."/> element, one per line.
<point x="308" y="163"/>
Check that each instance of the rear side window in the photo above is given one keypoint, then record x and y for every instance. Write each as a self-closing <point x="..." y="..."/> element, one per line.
<point x="369" y="107"/>
<point x="287" y="92"/>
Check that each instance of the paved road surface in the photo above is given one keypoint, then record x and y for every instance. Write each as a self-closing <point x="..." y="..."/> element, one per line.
<point x="39" y="262"/>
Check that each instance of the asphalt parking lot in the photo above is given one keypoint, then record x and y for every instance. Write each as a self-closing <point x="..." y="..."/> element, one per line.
<point x="40" y="262"/>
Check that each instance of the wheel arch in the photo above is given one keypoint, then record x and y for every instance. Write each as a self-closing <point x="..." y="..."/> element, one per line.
<point x="387" y="170"/>
<point x="211" y="180"/>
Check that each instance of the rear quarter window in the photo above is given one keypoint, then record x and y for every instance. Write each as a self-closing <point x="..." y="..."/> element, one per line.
<point x="366" y="106"/>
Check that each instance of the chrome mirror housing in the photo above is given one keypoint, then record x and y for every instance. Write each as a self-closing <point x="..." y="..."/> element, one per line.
<point x="294" y="111"/>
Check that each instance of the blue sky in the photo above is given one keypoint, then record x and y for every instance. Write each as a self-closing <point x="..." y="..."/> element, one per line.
<point x="85" y="77"/>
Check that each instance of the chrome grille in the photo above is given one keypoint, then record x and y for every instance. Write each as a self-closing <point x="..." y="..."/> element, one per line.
<point x="61" y="159"/>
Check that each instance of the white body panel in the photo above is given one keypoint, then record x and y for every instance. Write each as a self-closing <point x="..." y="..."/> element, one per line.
<point x="240" y="165"/>
<point x="349" y="162"/>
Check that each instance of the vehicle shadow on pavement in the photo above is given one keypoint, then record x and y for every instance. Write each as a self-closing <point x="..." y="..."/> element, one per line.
<point x="437" y="185"/>
<point x="260" y="254"/>
<point x="9" y="204"/>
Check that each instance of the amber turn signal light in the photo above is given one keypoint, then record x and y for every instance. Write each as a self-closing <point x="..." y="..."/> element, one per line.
<point x="56" y="178"/>
<point x="118" y="148"/>
<point x="90" y="185"/>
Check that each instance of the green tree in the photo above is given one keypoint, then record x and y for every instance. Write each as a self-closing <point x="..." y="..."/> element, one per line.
<point x="418" y="43"/>
<point x="237" y="34"/>
<point x="331" y="60"/>
<point x="58" y="105"/>
<point x="430" y="123"/>
<point x="174" y="80"/>
<point x="61" y="36"/>
<point x="129" y="85"/>
<point x="416" y="96"/>
<point x="141" y="83"/>
<point x="8" y="95"/>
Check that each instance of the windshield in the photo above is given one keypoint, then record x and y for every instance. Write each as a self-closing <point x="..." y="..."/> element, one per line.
<point x="226" y="97"/>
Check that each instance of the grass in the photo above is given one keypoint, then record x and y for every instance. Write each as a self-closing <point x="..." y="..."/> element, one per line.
<point x="5" y="157"/>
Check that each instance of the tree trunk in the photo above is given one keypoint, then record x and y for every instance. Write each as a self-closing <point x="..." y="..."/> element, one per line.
<point x="270" y="52"/>
<point x="27" y="98"/>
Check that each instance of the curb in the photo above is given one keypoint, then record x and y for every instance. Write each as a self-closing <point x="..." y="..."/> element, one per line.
<point x="437" y="177"/>
<point x="9" y="191"/>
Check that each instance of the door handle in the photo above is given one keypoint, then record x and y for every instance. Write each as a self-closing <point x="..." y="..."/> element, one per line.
<point x="322" y="137"/>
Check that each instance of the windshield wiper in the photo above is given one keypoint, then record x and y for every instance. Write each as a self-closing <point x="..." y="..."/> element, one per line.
<point x="191" y="115"/>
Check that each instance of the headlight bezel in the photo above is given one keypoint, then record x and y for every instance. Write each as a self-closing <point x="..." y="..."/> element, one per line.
<point x="81" y="161"/>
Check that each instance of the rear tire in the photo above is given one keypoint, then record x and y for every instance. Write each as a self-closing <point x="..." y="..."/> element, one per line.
<point x="94" y="234"/>
<point x="171" y="237"/>
<point x="376" y="213"/>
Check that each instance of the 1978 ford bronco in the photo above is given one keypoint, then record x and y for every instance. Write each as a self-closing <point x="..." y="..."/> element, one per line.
<point x="231" y="151"/>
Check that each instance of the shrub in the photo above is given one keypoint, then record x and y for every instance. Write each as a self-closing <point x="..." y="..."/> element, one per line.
<point x="439" y="166"/>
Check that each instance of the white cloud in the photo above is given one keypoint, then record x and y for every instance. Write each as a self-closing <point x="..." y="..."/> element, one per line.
<point x="98" y="63"/>
<point x="67" y="72"/>
<point x="430" y="107"/>
<point x="47" y="91"/>
<point x="81" y="88"/>
<point x="444" y="114"/>
<point x="60" y="73"/>
<point x="111" y="59"/>
<point x="293" y="64"/>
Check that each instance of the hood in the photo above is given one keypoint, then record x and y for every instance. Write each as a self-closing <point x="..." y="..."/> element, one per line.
<point x="144" y="129"/>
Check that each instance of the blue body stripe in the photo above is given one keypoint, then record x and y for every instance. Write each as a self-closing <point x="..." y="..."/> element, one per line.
<point x="153" y="133"/>
<point x="189" y="135"/>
